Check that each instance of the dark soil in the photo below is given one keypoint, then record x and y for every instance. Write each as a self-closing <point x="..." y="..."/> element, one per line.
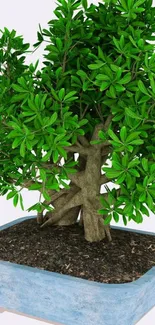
<point x="64" y="250"/>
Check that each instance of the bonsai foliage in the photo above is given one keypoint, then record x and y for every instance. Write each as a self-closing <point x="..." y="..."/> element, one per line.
<point x="94" y="96"/>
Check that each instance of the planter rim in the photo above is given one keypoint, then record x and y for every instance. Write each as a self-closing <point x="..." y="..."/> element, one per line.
<point x="69" y="300"/>
<point x="143" y="279"/>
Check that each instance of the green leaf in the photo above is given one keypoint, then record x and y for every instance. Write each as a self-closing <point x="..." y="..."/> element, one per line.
<point x="114" y="67"/>
<point x="104" y="85"/>
<point x="17" y="142"/>
<point x="47" y="156"/>
<point x="21" y="202"/>
<point x="117" y="165"/>
<point x="113" y="173"/>
<point x="149" y="201"/>
<point x="144" y="210"/>
<point x="100" y="53"/>
<point x="116" y="157"/>
<point x="64" y="143"/>
<point x="103" y="211"/>
<point x="71" y="99"/>
<point x="124" y="220"/>
<point x="15" y="126"/>
<point x="83" y="122"/>
<point x="116" y="216"/>
<point x="132" y="136"/>
<point x="62" y="152"/>
<point x="69" y="95"/>
<point x="61" y="93"/>
<point x="112" y="91"/>
<point x="95" y="66"/>
<point x="121" y="179"/>
<point x="134" y="172"/>
<point x="119" y="88"/>
<point x="96" y="142"/>
<point x="145" y="164"/>
<point x="53" y="118"/>
<point x="113" y="136"/>
<point x="35" y="187"/>
<point x="123" y="133"/>
<point x="108" y="219"/>
<point x="11" y="195"/>
<point x="42" y="174"/>
<point x="145" y="181"/>
<point x="142" y="197"/>
<point x="139" y="217"/>
<point x="138" y="3"/>
<point x="133" y="163"/>
<point x="15" y="200"/>
<point x="54" y="94"/>
<point x="104" y="202"/>
<point x="126" y="79"/>
<point x="59" y="44"/>
<point x="128" y="210"/>
<point x="125" y="160"/>
<point x="22" y="149"/>
<point x="116" y="43"/>
<point x="130" y="113"/>
<point x="137" y="142"/>
<point x="101" y="135"/>
<point x="132" y="41"/>
<point x="82" y="74"/>
<point x="55" y="156"/>
<point x="129" y="181"/>
<point x="65" y="185"/>
<point x="142" y="87"/>
<point x="47" y="207"/>
<point x="85" y="4"/>
<point x="18" y="98"/>
<point x="102" y="77"/>
<point x="59" y="137"/>
<point x="46" y="196"/>
<point x="19" y="89"/>
<point x="70" y="170"/>
<point x="152" y="168"/>
<point x="58" y="72"/>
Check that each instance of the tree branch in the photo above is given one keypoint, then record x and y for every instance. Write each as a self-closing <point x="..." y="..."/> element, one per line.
<point x="81" y="150"/>
<point x="106" y="149"/>
<point x="107" y="122"/>
<point x="98" y="128"/>
<point x="104" y="179"/>
<point x="77" y="178"/>
<point x="83" y="140"/>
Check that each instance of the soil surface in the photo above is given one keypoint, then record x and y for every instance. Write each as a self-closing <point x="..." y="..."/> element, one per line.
<point x="64" y="250"/>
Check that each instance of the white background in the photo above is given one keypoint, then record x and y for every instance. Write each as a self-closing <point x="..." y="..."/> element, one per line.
<point x="24" y="17"/>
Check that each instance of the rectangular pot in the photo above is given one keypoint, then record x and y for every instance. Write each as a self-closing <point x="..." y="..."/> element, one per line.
<point x="68" y="300"/>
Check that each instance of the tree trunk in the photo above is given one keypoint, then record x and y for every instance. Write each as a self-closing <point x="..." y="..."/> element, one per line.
<point x="83" y="196"/>
<point x="84" y="199"/>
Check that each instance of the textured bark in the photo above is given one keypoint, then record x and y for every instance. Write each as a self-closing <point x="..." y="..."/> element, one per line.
<point x="58" y="200"/>
<point x="84" y="194"/>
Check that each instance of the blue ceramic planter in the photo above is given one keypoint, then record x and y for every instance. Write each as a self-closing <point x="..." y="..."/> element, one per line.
<point x="73" y="301"/>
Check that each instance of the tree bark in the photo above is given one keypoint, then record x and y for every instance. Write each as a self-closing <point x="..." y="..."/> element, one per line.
<point x="84" y="195"/>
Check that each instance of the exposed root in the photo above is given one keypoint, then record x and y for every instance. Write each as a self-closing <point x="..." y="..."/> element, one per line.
<point x="56" y="216"/>
<point x="107" y="231"/>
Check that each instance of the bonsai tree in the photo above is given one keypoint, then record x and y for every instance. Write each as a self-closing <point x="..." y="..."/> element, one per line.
<point x="94" y="96"/>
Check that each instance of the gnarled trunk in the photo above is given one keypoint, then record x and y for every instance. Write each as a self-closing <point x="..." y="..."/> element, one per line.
<point x="83" y="196"/>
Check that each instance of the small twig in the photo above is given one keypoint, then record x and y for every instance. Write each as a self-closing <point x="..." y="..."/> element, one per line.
<point x="85" y="110"/>
<point x="107" y="122"/>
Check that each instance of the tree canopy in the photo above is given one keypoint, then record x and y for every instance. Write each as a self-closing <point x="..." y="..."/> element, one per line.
<point x="94" y="93"/>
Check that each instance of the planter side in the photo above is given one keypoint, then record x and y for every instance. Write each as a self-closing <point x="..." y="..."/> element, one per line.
<point x="72" y="301"/>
